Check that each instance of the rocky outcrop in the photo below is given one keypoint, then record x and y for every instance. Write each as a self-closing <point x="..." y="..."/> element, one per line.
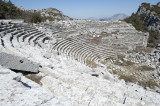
<point x="152" y="17"/>
<point x="52" y="14"/>
<point x="18" y="63"/>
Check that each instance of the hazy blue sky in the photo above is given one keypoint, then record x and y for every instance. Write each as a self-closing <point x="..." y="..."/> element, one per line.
<point x="86" y="8"/>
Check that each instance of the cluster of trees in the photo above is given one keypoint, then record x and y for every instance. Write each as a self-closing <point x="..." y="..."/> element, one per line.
<point x="138" y="21"/>
<point x="10" y="11"/>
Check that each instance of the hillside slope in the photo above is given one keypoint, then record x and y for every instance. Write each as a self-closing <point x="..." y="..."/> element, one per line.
<point x="147" y="19"/>
<point x="51" y="14"/>
<point x="10" y="11"/>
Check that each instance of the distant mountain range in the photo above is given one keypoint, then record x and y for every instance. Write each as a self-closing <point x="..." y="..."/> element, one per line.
<point x="115" y="17"/>
<point x="93" y="18"/>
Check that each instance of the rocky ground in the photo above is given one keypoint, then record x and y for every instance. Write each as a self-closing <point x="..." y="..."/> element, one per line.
<point x="77" y="62"/>
<point x="15" y="90"/>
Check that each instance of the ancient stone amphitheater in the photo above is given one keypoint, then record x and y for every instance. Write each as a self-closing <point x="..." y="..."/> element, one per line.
<point x="64" y="63"/>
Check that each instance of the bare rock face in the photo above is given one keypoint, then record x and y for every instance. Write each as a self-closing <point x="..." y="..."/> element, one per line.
<point x="152" y="18"/>
<point x="18" y="63"/>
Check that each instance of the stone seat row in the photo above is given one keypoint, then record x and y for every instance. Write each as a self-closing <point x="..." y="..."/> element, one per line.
<point x="82" y="51"/>
<point x="28" y="35"/>
<point x="86" y="41"/>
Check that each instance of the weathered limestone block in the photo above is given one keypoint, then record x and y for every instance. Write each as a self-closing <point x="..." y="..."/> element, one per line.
<point x="18" y="63"/>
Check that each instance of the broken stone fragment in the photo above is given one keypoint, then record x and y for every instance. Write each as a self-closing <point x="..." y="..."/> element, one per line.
<point x="18" y="63"/>
<point x="47" y="55"/>
<point x="18" y="78"/>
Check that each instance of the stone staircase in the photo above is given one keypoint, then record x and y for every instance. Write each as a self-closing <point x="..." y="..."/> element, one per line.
<point x="14" y="36"/>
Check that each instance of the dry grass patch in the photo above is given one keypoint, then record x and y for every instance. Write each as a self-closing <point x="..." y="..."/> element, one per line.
<point x="121" y="56"/>
<point x="150" y="84"/>
<point x="134" y="51"/>
<point x="96" y="40"/>
<point x="103" y="62"/>
<point x="145" y="68"/>
<point x="115" y="72"/>
<point x="127" y="63"/>
<point x="149" y="49"/>
<point x="34" y="78"/>
<point x="91" y="64"/>
<point x="132" y="78"/>
<point x="128" y="78"/>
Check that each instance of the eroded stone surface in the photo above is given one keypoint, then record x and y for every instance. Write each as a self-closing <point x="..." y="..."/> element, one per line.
<point x="69" y="42"/>
<point x="26" y="92"/>
<point x="18" y="63"/>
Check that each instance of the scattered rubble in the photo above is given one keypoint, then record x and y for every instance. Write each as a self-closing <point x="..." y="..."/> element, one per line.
<point x="75" y="60"/>
<point x="18" y="90"/>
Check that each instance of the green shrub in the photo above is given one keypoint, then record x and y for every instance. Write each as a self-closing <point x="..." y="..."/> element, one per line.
<point x="10" y="11"/>
<point x="146" y="5"/>
<point x="36" y="18"/>
<point x="156" y="9"/>
<point x="139" y="22"/>
<point x="35" y="42"/>
<point x="50" y="18"/>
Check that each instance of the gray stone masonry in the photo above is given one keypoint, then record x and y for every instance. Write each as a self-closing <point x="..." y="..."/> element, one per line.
<point x="18" y="63"/>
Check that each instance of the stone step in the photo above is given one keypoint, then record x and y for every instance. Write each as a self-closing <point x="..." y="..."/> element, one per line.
<point x="35" y="39"/>
<point x="73" y="52"/>
<point x="66" y="45"/>
<point x="94" y="46"/>
<point x="7" y="40"/>
<point x="2" y="42"/>
<point x="89" y="47"/>
<point x="30" y="37"/>
<point x="62" y="84"/>
<point x="41" y="42"/>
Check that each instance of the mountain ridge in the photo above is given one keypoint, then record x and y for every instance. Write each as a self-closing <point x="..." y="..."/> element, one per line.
<point x="115" y="17"/>
<point x="52" y="14"/>
<point x="10" y="11"/>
